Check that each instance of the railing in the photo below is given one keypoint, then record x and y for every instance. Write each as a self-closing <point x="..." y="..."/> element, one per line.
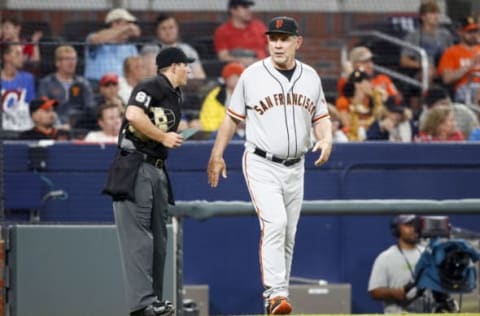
<point x="423" y="84"/>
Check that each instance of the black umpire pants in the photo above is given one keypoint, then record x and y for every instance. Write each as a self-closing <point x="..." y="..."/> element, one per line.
<point x="142" y="231"/>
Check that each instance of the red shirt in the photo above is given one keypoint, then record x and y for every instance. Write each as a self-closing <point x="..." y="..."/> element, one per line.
<point x="251" y="37"/>
<point x="455" y="136"/>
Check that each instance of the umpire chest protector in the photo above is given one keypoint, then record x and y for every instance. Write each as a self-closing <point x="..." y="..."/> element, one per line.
<point x="162" y="103"/>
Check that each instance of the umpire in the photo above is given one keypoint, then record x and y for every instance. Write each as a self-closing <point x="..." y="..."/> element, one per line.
<point x="139" y="184"/>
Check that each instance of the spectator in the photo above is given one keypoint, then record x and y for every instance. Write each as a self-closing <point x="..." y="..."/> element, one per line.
<point x="338" y="136"/>
<point x="72" y="91"/>
<point x="109" y="89"/>
<point x="393" y="124"/>
<point x="356" y="106"/>
<point x="392" y="277"/>
<point x="168" y="36"/>
<point x="459" y="65"/>
<point x="430" y="36"/>
<point x="133" y="72"/>
<point x="44" y="118"/>
<point x="218" y="99"/>
<point x="439" y="125"/>
<point x="109" y="120"/>
<point x="149" y="53"/>
<point x="242" y="38"/>
<point x="11" y="29"/>
<point x="107" y="49"/>
<point x="18" y="89"/>
<point x="361" y="57"/>
<point x="465" y="119"/>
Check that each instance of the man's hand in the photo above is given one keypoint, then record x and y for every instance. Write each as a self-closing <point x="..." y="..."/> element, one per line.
<point x="325" y="148"/>
<point x="215" y="167"/>
<point x="172" y="140"/>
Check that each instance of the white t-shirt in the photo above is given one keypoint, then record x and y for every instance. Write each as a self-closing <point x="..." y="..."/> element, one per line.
<point x="100" y="137"/>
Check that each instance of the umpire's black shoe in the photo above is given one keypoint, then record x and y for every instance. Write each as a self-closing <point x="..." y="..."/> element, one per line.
<point x="159" y="309"/>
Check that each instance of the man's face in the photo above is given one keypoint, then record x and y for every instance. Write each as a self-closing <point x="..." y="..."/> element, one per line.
<point x="167" y="31"/>
<point x="470" y="37"/>
<point x="67" y="63"/>
<point x="109" y="90"/>
<point x="111" y="121"/>
<point x="182" y="71"/>
<point x="15" y="56"/>
<point x="137" y="69"/>
<point x="431" y="18"/>
<point x="44" y="118"/>
<point x="10" y="32"/>
<point x="242" y="13"/>
<point x="408" y="233"/>
<point x="282" y="48"/>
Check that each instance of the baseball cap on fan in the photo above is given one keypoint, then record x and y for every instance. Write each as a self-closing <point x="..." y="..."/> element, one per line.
<point x="282" y="25"/>
<point x="42" y="104"/>
<point x="469" y="23"/>
<point x="119" y="14"/>
<point x="359" y="54"/>
<point x="172" y="55"/>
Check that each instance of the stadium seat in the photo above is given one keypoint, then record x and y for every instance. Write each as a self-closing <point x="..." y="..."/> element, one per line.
<point x="28" y="27"/>
<point x="194" y="29"/>
<point x="78" y="30"/>
<point x="213" y="67"/>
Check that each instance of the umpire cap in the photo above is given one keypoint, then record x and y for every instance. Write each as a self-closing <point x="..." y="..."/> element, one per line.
<point x="172" y="55"/>
<point x="283" y="25"/>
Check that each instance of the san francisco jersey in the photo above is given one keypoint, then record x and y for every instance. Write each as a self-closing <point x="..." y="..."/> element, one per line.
<point x="279" y="113"/>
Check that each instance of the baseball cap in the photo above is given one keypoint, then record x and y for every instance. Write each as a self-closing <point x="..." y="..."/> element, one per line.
<point x="172" y="55"/>
<point x="119" y="14"/>
<point x="469" y="23"/>
<point x="283" y="24"/>
<point x="360" y="53"/>
<point x="435" y="94"/>
<point x="108" y="78"/>
<point x="235" y="3"/>
<point x="405" y="218"/>
<point x="43" y="103"/>
<point x="233" y="68"/>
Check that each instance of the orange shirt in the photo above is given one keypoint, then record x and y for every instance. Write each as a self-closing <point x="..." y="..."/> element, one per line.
<point x="455" y="57"/>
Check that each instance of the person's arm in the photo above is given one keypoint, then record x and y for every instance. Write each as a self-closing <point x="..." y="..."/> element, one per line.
<point x="409" y="62"/>
<point x="388" y="294"/>
<point x="114" y="35"/>
<point x="450" y="76"/>
<point x="225" y="55"/>
<point x="197" y="71"/>
<point x="216" y="164"/>
<point x="140" y="121"/>
<point x="37" y="35"/>
<point x="323" y="133"/>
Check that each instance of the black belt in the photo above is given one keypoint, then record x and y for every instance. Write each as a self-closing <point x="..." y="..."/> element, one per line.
<point x="286" y="162"/>
<point x="156" y="162"/>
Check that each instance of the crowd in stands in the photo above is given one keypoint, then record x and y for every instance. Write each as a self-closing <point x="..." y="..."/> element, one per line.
<point x="85" y="94"/>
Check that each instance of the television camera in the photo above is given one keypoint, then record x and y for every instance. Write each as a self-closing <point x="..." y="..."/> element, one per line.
<point x="446" y="266"/>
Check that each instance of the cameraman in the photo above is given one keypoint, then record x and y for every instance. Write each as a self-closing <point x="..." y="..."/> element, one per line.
<point x="392" y="276"/>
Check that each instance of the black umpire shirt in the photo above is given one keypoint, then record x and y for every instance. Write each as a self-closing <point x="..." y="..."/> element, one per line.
<point x="156" y="95"/>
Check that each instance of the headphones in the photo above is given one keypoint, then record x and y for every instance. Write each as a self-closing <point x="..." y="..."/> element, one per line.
<point x="402" y="219"/>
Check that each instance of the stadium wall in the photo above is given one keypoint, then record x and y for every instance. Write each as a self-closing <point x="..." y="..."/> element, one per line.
<point x="223" y="251"/>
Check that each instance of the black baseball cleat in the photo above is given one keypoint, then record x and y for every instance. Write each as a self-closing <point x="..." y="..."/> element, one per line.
<point x="160" y="309"/>
<point x="279" y="305"/>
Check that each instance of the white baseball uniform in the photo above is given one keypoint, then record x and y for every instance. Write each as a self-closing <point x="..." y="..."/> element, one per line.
<point x="279" y="116"/>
